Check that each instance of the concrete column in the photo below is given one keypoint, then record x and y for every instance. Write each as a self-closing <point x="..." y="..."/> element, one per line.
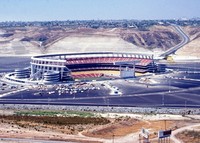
<point x="48" y="68"/>
<point x="133" y="69"/>
<point x="61" y="72"/>
<point x="43" y="69"/>
<point x="32" y="69"/>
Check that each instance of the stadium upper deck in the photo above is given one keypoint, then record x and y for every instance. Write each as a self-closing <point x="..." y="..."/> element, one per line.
<point x="66" y="63"/>
<point x="59" y="67"/>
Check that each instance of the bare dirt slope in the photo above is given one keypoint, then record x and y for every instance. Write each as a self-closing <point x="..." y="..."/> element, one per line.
<point x="161" y="37"/>
<point x="96" y="43"/>
<point x="44" y="40"/>
<point x="19" y="48"/>
<point x="192" y="49"/>
<point x="87" y="129"/>
<point x="27" y="40"/>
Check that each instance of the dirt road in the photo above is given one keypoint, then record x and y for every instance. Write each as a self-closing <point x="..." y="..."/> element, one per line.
<point x="190" y="127"/>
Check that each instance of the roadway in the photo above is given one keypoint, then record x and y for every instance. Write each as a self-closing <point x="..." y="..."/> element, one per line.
<point x="178" y="89"/>
<point x="189" y="127"/>
<point x="185" y="40"/>
<point x="28" y="140"/>
<point x="169" y="92"/>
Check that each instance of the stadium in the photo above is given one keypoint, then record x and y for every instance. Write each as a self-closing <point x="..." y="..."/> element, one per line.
<point x="67" y="67"/>
<point x="87" y="79"/>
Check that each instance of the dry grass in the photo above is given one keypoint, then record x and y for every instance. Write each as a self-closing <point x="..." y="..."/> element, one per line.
<point x="128" y="125"/>
<point x="189" y="136"/>
<point x="57" y="128"/>
<point x="67" y="125"/>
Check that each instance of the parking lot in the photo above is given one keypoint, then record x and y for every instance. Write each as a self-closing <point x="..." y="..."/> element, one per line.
<point x="179" y="88"/>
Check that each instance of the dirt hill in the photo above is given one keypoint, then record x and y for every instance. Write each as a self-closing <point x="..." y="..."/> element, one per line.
<point x="155" y="37"/>
<point x="38" y="40"/>
<point x="192" y="49"/>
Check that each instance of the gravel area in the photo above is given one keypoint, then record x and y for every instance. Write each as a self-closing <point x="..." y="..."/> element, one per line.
<point x="103" y="109"/>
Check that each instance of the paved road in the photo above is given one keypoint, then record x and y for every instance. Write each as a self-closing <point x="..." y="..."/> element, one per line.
<point x="20" y="140"/>
<point x="185" y="40"/>
<point x="178" y="89"/>
<point x="169" y="92"/>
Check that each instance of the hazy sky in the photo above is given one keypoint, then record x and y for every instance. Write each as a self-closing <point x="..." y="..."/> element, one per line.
<point x="39" y="10"/>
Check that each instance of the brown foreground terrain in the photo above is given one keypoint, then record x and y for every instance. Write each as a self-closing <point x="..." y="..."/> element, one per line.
<point x="91" y="128"/>
<point x="190" y="136"/>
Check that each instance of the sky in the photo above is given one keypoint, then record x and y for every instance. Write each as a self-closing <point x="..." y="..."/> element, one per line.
<point x="47" y="10"/>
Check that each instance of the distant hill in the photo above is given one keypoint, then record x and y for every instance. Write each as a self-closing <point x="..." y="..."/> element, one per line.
<point x="33" y="40"/>
<point x="191" y="49"/>
<point x="162" y="37"/>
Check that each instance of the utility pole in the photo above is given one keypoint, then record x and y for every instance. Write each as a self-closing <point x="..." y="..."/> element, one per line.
<point x="169" y="81"/>
<point x="163" y="100"/>
<point x="185" y="106"/>
<point x="185" y="103"/>
<point x="113" y="138"/>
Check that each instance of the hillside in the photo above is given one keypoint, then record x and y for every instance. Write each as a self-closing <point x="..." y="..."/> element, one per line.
<point x="101" y="40"/>
<point x="155" y="37"/>
<point x="192" y="49"/>
<point x="43" y="40"/>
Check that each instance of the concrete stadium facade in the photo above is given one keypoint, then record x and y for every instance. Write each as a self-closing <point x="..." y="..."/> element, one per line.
<point x="66" y="63"/>
<point x="58" y="67"/>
